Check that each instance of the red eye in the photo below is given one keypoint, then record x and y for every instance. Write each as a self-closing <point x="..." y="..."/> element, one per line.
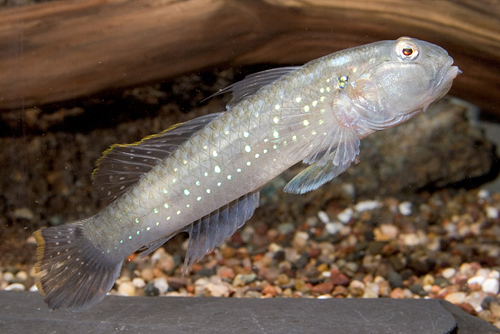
<point x="407" y="51"/>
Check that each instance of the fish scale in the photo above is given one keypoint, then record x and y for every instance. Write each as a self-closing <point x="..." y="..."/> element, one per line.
<point x="203" y="176"/>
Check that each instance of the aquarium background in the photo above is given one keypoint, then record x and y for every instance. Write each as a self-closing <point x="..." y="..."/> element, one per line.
<point x="418" y="217"/>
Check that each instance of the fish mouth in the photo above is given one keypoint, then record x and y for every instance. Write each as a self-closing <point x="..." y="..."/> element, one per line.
<point x="446" y="76"/>
<point x="447" y="73"/>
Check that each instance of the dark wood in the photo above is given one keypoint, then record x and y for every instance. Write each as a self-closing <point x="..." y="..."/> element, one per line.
<point x="61" y="50"/>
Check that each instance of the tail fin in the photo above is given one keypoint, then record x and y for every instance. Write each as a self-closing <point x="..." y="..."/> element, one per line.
<point x="74" y="273"/>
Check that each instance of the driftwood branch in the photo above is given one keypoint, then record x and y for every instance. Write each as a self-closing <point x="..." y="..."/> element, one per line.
<point x="67" y="49"/>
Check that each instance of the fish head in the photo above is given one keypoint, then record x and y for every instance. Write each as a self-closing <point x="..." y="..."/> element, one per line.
<point x="414" y="75"/>
<point x="403" y="78"/>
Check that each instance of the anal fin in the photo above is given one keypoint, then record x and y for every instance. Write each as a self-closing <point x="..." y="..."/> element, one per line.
<point x="148" y="249"/>
<point x="211" y="230"/>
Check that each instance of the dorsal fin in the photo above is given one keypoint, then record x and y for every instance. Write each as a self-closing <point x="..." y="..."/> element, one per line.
<point x="253" y="82"/>
<point x="211" y="230"/>
<point x="121" y="166"/>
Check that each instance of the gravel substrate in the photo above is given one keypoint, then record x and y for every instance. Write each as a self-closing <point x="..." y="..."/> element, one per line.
<point x="445" y="245"/>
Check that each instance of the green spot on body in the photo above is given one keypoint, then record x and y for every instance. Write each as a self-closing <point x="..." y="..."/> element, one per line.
<point x="130" y="237"/>
<point x="342" y="81"/>
<point x="138" y="232"/>
<point x="121" y="241"/>
<point x="137" y="220"/>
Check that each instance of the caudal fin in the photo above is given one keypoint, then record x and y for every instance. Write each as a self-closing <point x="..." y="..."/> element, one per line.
<point x="74" y="273"/>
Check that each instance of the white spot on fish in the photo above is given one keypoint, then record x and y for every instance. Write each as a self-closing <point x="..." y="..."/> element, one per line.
<point x="217" y="169"/>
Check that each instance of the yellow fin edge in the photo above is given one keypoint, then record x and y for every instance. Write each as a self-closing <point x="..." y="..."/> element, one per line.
<point x="40" y="249"/>
<point x="106" y="152"/>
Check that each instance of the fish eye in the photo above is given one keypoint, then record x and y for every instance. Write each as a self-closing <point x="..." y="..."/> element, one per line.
<point x="406" y="51"/>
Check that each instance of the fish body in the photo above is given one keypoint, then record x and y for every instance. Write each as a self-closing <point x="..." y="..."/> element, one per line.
<point x="204" y="176"/>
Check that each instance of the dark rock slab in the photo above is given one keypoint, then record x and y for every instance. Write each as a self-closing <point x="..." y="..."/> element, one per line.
<point x="22" y="312"/>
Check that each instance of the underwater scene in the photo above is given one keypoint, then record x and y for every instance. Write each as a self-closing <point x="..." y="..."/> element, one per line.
<point x="250" y="149"/>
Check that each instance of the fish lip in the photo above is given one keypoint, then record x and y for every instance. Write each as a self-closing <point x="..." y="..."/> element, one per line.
<point x="447" y="73"/>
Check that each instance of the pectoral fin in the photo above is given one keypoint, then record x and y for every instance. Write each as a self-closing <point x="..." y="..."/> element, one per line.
<point x="314" y="176"/>
<point x="339" y="149"/>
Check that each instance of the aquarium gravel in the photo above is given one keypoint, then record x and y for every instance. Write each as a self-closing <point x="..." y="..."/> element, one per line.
<point x="442" y="245"/>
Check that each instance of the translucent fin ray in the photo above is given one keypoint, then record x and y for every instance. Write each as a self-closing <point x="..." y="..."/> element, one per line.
<point x="340" y="145"/>
<point x="148" y="249"/>
<point x="74" y="273"/>
<point x="338" y="149"/>
<point x="211" y="230"/>
<point x="121" y="166"/>
<point x="314" y="176"/>
<point x="253" y="82"/>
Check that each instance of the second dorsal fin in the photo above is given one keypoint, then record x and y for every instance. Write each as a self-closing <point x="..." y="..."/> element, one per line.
<point x="121" y="166"/>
